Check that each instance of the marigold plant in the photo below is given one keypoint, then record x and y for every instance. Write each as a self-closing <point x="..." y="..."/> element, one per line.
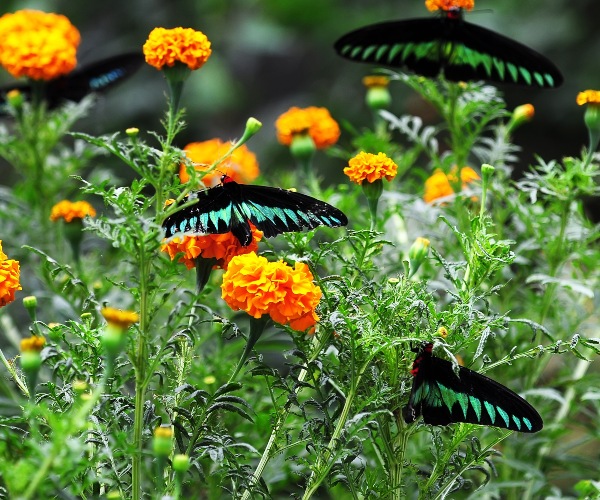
<point x="38" y="45"/>
<point x="369" y="167"/>
<point x="317" y="122"/>
<point x="69" y="210"/>
<point x="439" y="185"/>
<point x="253" y="284"/>
<point x="9" y="278"/>
<point x="222" y="247"/>
<point x="241" y="165"/>
<point x="165" y="47"/>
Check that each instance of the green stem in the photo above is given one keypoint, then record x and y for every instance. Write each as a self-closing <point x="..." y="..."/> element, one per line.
<point x="257" y="326"/>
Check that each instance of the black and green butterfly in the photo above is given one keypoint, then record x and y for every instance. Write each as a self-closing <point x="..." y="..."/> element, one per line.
<point x="231" y="206"/>
<point x="449" y="45"/>
<point x="96" y="77"/>
<point x="443" y="396"/>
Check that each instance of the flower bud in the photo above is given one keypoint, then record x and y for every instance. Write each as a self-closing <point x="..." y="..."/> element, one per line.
<point x="181" y="463"/>
<point x="132" y="131"/>
<point x="15" y="98"/>
<point x="521" y="115"/>
<point x="417" y="253"/>
<point x="30" y="303"/>
<point x="162" y="444"/>
<point x="302" y="147"/>
<point x="378" y="96"/>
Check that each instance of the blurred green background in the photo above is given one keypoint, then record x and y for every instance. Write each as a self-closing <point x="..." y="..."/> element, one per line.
<point x="269" y="55"/>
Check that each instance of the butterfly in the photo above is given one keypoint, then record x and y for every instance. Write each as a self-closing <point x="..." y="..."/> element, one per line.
<point x="448" y="44"/>
<point x="95" y="77"/>
<point x="231" y="206"/>
<point x="443" y="396"/>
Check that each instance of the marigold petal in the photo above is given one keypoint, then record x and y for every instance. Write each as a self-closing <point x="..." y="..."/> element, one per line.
<point x="433" y="5"/>
<point x="69" y="210"/>
<point x="319" y="124"/>
<point x="588" y="97"/>
<point x="370" y="167"/>
<point x="165" y="47"/>
<point x="439" y="185"/>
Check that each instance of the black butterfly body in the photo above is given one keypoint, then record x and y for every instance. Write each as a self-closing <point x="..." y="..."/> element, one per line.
<point x="443" y="397"/>
<point x="448" y="44"/>
<point x="231" y="206"/>
<point x="95" y="77"/>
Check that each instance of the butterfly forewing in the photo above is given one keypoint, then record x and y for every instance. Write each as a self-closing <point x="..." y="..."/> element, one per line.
<point x="443" y="397"/>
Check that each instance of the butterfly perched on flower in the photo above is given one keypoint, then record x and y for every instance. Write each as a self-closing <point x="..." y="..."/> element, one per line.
<point x="96" y="77"/>
<point x="451" y="46"/>
<point x="231" y="206"/>
<point x="443" y="396"/>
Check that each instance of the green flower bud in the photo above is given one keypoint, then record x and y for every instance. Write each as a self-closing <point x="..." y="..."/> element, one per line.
<point x="181" y="463"/>
<point x="162" y="444"/>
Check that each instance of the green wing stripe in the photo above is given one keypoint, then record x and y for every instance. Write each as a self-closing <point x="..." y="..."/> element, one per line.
<point x="381" y="51"/>
<point x="368" y="51"/>
<point x="476" y="405"/>
<point x="491" y="411"/>
<point x="517" y="422"/>
<point x="525" y="74"/>
<point x="504" y="416"/>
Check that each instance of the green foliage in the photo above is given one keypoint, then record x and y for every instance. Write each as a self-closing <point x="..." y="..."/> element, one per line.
<point x="509" y="282"/>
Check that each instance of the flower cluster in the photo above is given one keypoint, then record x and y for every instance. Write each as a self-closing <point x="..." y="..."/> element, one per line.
<point x="369" y="167"/>
<point x="222" y="247"/>
<point x="9" y="278"/>
<point x="439" y="185"/>
<point x="317" y="122"/>
<point x="69" y="210"/>
<point x="37" y="45"/>
<point x="241" y="165"/>
<point x="433" y="5"/>
<point x="257" y="286"/>
<point x="165" y="47"/>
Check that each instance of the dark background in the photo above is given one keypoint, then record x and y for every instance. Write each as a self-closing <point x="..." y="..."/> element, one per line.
<point x="269" y="55"/>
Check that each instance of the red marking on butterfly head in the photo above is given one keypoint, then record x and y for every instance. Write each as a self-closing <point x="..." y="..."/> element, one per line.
<point x="424" y="353"/>
<point x="454" y="13"/>
<point x="225" y="179"/>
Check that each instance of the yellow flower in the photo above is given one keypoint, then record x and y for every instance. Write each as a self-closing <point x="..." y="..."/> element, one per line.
<point x="38" y="45"/>
<point x="9" y="278"/>
<point x="317" y="122"/>
<point x="257" y="286"/>
<point x="370" y="167"/>
<point x="68" y="210"/>
<point x="165" y="47"/>
<point x="433" y="5"/>
<point x="241" y="165"/>
<point x="588" y="97"/>
<point x="439" y="185"/>
<point x="375" y="81"/>
<point x="118" y="318"/>
<point x="222" y="247"/>
<point x="32" y="344"/>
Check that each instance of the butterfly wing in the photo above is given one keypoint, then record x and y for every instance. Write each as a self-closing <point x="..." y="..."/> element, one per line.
<point x="458" y="49"/>
<point x="442" y="397"/>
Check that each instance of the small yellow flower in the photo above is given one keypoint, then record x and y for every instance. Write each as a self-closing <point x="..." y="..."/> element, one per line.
<point x="9" y="278"/>
<point x="369" y="167"/>
<point x="32" y="344"/>
<point x="317" y="122"/>
<point x="439" y="185"/>
<point x="588" y="97"/>
<point x="119" y="318"/>
<point x="241" y="165"/>
<point x="165" y="47"/>
<point x="376" y="81"/>
<point x="37" y="45"/>
<point x="68" y="210"/>
<point x="433" y="5"/>
<point x="257" y="286"/>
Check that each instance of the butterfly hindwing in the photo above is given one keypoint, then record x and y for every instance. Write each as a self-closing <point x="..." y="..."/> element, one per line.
<point x="443" y="397"/>
<point x="449" y="45"/>
<point x="231" y="206"/>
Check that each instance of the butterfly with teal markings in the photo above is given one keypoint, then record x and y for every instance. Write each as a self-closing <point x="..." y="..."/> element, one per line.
<point x="443" y="396"/>
<point x="96" y="77"/>
<point x="232" y="206"/>
<point x="451" y="46"/>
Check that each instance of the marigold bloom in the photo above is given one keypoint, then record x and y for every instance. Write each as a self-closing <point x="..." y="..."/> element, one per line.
<point x="257" y="286"/>
<point x="439" y="185"/>
<point x="118" y="318"/>
<point x="370" y="167"/>
<point x="588" y="96"/>
<point x="32" y="344"/>
<point x="165" y="47"/>
<point x="222" y="247"/>
<point x="9" y="278"/>
<point x="433" y="5"/>
<point x="38" y="45"/>
<point x="370" y="81"/>
<point x="241" y="165"/>
<point x="317" y="122"/>
<point x="68" y="210"/>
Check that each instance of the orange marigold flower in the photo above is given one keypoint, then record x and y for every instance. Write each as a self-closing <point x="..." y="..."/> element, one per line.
<point x="165" y="47"/>
<point x="439" y="185"/>
<point x="222" y="247"/>
<point x="241" y="165"/>
<point x="319" y="124"/>
<point x="38" y="45"/>
<point x="370" y="167"/>
<point x="9" y="278"/>
<point x="371" y="81"/>
<point x="588" y="96"/>
<point x="32" y="344"/>
<point x="257" y="286"/>
<point x="118" y="318"/>
<point x="433" y="5"/>
<point x="68" y="210"/>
